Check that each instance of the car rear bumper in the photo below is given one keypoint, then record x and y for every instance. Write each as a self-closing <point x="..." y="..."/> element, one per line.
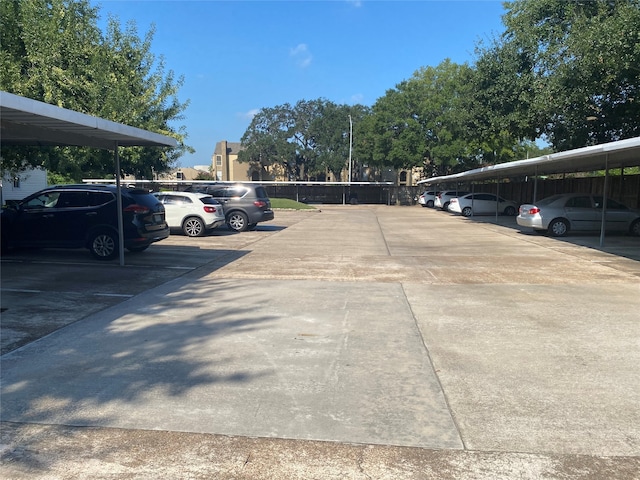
<point x="530" y="221"/>
<point x="267" y="215"/>
<point x="216" y="223"/>
<point x="262" y="216"/>
<point x="147" y="238"/>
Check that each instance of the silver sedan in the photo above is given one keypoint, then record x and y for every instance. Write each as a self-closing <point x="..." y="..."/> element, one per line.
<point x="562" y="213"/>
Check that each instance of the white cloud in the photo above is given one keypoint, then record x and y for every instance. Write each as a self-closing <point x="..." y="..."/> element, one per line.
<point x="250" y="114"/>
<point x="301" y="55"/>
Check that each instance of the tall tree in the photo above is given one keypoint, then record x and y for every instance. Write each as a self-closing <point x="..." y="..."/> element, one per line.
<point x="266" y="141"/>
<point x="423" y="121"/>
<point x="579" y="65"/>
<point x="53" y="51"/>
<point x="305" y="139"/>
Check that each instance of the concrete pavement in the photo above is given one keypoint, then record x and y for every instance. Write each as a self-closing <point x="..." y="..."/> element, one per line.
<point x="357" y="342"/>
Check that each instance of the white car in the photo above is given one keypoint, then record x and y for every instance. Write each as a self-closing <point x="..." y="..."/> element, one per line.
<point x="427" y="199"/>
<point x="482" y="204"/>
<point x="443" y="198"/>
<point x="193" y="213"/>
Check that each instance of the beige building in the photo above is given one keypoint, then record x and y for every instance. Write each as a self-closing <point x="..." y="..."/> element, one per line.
<point x="226" y="168"/>
<point x="184" y="173"/>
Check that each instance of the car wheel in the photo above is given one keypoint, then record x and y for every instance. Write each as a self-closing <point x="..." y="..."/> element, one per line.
<point x="467" y="212"/>
<point x="558" y="227"/>
<point x="104" y="245"/>
<point x="237" y="221"/>
<point x="193" y="227"/>
<point x="430" y="203"/>
<point x="445" y="207"/>
<point x="635" y="228"/>
<point x="510" y="211"/>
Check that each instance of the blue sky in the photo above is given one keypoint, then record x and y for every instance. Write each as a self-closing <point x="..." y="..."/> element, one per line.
<point x="239" y="56"/>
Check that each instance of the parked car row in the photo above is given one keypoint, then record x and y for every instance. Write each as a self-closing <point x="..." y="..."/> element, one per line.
<point x="86" y="216"/>
<point x="557" y="215"/>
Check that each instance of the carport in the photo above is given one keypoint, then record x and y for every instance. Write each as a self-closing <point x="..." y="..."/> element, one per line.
<point x="620" y="154"/>
<point x="24" y="121"/>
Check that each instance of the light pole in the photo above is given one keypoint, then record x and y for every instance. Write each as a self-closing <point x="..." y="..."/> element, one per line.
<point x="350" y="144"/>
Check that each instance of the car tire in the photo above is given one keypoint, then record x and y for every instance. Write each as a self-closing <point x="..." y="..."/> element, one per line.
<point x="430" y="203"/>
<point x="635" y="228"/>
<point x="103" y="245"/>
<point x="237" y="221"/>
<point x="510" y="211"/>
<point x="445" y="207"/>
<point x="193" y="227"/>
<point x="467" y="211"/>
<point x="558" y="227"/>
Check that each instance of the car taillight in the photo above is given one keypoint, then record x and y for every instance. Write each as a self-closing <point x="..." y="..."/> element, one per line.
<point x="260" y="203"/>
<point x="454" y="200"/>
<point x="210" y="209"/>
<point x="137" y="209"/>
<point x="533" y="211"/>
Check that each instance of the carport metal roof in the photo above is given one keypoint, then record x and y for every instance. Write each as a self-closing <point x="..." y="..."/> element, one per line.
<point x="29" y="122"/>
<point x="24" y="121"/>
<point x="623" y="153"/>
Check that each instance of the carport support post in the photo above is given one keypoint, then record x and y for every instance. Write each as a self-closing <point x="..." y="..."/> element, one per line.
<point x="497" y="198"/>
<point x="119" y="205"/>
<point x="604" y="199"/>
<point x="473" y="196"/>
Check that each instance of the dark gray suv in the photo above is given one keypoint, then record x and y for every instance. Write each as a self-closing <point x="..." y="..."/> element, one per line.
<point x="245" y="204"/>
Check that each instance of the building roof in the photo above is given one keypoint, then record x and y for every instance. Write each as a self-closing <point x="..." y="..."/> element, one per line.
<point x="232" y="148"/>
<point x="24" y="121"/>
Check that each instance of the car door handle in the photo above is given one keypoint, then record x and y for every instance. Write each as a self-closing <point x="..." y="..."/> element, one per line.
<point x="91" y="214"/>
<point x="47" y="215"/>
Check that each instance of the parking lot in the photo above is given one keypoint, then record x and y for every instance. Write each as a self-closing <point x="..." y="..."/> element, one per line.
<point x="350" y="342"/>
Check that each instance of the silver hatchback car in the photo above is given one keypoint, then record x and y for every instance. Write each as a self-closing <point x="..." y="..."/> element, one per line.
<point x="562" y="213"/>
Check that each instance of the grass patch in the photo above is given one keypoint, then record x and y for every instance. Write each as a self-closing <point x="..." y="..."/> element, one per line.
<point x="290" y="204"/>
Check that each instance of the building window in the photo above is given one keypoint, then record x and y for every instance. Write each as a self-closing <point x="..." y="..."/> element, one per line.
<point x="218" y="160"/>
<point x="180" y="176"/>
<point x="16" y="182"/>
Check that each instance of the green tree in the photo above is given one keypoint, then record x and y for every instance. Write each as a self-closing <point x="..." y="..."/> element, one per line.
<point x="266" y="141"/>
<point x="330" y="131"/>
<point x="501" y="104"/>
<point x="53" y="51"/>
<point x="306" y="139"/>
<point x="574" y="66"/>
<point x="423" y="121"/>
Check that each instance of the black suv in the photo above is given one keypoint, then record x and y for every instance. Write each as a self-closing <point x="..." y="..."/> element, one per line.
<point x="84" y="216"/>
<point x="245" y="204"/>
